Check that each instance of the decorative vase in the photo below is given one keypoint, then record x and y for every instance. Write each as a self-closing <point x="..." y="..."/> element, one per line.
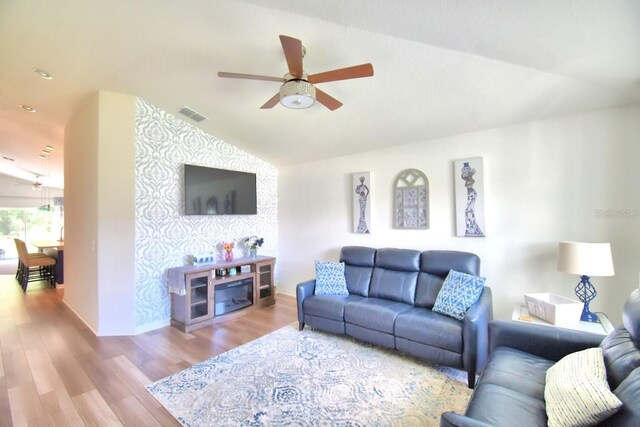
<point x="228" y="256"/>
<point x="253" y="252"/>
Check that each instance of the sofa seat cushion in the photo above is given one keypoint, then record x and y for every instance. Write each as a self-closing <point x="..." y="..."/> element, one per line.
<point x="329" y="307"/>
<point x="426" y="327"/>
<point x="516" y="370"/>
<point x="500" y="406"/>
<point x="375" y="313"/>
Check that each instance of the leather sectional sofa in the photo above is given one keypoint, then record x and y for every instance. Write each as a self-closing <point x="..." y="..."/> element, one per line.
<point x="391" y="293"/>
<point x="511" y="388"/>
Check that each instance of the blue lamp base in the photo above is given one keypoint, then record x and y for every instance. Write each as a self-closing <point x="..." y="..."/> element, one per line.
<point x="588" y="316"/>
<point x="586" y="293"/>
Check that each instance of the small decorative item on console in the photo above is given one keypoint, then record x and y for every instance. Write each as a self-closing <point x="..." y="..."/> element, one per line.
<point x="208" y="258"/>
<point x="253" y="243"/>
<point x="228" y="250"/>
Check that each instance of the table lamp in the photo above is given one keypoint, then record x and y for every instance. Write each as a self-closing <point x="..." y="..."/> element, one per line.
<point x="585" y="259"/>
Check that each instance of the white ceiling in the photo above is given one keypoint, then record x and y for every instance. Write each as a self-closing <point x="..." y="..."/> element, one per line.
<point x="442" y="67"/>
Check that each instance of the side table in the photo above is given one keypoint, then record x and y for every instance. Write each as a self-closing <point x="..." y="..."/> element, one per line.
<point x="521" y="314"/>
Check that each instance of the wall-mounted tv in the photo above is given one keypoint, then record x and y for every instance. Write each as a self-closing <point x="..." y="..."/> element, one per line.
<point x="211" y="191"/>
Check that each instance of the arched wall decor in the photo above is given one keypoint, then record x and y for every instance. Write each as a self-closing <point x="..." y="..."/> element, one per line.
<point x="411" y="189"/>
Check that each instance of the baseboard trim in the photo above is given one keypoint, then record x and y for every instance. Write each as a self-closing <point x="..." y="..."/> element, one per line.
<point x="152" y="326"/>
<point x="138" y="330"/>
<point x="280" y="291"/>
<point x="64" y="301"/>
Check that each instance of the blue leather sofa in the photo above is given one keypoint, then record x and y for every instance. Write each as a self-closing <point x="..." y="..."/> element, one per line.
<point x="391" y="293"/>
<point x="511" y="388"/>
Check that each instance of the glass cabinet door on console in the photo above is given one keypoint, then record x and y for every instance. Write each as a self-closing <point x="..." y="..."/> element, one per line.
<point x="265" y="281"/>
<point x="199" y="297"/>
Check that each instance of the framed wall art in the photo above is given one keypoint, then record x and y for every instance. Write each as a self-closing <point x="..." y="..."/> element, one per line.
<point x="411" y="192"/>
<point x="361" y="187"/>
<point x="470" y="198"/>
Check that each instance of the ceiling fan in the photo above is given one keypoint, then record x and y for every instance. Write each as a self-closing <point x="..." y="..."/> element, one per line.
<point x="298" y="90"/>
<point x="35" y="185"/>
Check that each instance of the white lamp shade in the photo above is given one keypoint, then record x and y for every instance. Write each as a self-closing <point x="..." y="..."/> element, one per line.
<point x="585" y="259"/>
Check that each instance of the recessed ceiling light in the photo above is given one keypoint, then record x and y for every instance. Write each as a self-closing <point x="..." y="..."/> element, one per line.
<point x="42" y="73"/>
<point x="8" y="158"/>
<point x="42" y="156"/>
<point x="49" y="148"/>
<point x="27" y="108"/>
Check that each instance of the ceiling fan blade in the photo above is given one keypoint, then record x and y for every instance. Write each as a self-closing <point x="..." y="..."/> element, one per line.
<point x="327" y="100"/>
<point x="293" y="53"/>
<point x="355" y="72"/>
<point x="249" y="77"/>
<point x="272" y="102"/>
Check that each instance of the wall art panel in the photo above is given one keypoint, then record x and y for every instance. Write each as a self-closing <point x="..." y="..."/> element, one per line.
<point x="361" y="185"/>
<point x="469" y="188"/>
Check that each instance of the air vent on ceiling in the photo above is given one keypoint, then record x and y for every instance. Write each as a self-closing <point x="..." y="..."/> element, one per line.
<point x="196" y="117"/>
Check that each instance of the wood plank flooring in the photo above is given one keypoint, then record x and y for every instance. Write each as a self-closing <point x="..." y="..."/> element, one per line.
<point x="55" y="372"/>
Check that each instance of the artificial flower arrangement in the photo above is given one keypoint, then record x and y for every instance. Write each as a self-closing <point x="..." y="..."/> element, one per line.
<point x="253" y="242"/>
<point x="228" y="250"/>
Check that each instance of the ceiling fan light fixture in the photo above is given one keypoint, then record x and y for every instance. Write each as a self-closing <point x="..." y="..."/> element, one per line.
<point x="297" y="94"/>
<point x="42" y="73"/>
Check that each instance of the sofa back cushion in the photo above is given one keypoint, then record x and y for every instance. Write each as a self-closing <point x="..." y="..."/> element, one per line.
<point x="621" y="349"/>
<point x="359" y="262"/>
<point x="395" y="275"/>
<point x="629" y="393"/>
<point x="434" y="268"/>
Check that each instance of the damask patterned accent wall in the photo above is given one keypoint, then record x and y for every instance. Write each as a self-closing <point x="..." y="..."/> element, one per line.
<point x="164" y="235"/>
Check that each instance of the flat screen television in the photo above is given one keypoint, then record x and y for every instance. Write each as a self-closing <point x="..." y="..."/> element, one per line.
<point x="211" y="191"/>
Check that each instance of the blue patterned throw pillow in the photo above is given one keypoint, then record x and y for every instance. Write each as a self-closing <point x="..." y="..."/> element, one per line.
<point x="330" y="279"/>
<point x="459" y="292"/>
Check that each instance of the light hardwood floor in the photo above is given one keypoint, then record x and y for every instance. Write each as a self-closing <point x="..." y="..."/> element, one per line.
<point x="55" y="372"/>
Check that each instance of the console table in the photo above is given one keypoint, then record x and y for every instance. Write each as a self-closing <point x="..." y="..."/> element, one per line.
<point x="205" y="294"/>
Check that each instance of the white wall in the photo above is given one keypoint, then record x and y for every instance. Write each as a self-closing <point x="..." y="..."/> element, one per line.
<point x="165" y="236"/>
<point x="116" y="214"/>
<point x="544" y="181"/>
<point x="99" y="213"/>
<point x="81" y="216"/>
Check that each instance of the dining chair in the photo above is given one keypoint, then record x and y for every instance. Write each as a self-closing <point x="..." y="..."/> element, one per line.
<point x="34" y="266"/>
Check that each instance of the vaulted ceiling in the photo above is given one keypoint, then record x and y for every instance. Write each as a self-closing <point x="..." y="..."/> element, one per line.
<point x="442" y="67"/>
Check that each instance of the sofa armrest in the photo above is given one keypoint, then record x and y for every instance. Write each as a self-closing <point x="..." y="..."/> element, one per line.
<point x="475" y="334"/>
<point x="451" y="419"/>
<point x="544" y="341"/>
<point x="304" y="290"/>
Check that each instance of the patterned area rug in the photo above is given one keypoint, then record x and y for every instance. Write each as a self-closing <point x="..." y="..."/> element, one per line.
<point x="310" y="378"/>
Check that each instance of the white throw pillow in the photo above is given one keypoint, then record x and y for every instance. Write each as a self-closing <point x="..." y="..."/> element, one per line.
<point x="576" y="391"/>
